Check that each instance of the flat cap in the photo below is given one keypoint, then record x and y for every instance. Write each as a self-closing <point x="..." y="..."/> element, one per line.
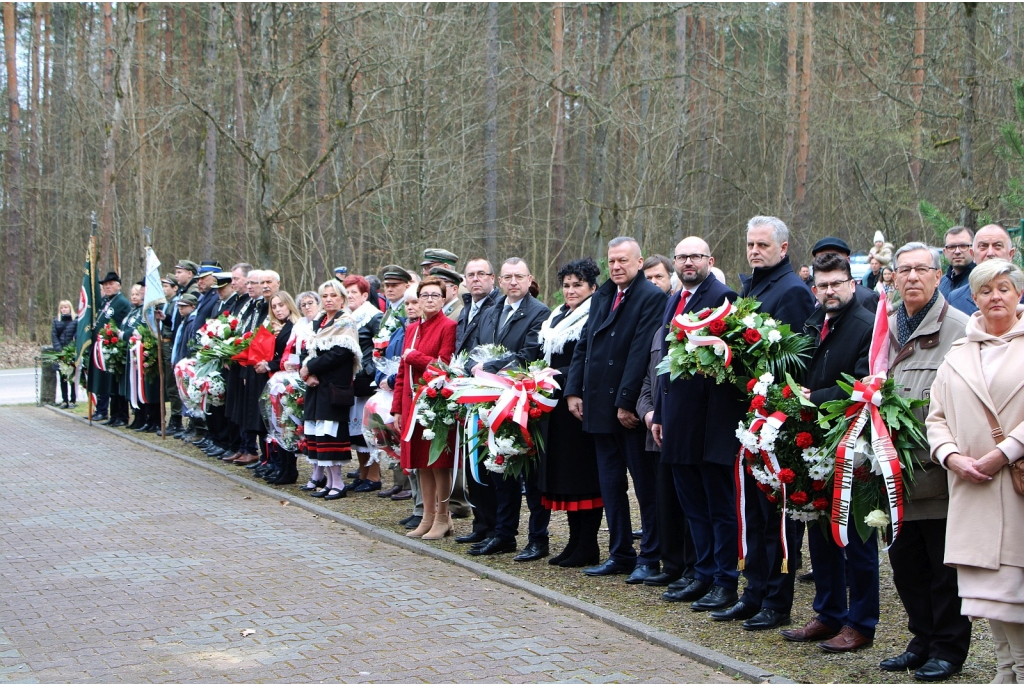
<point x="831" y="244"/>
<point x="393" y="272"/>
<point x="444" y="274"/>
<point x="435" y="255"/>
<point x="188" y="265"/>
<point x="189" y="299"/>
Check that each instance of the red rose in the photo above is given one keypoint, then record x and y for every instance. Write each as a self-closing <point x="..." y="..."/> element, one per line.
<point x="233" y="325"/>
<point x="300" y="401"/>
<point x="787" y="392"/>
<point x="758" y="402"/>
<point x="431" y="393"/>
<point x="447" y="392"/>
<point x="376" y="354"/>
<point x="772" y="498"/>
<point x="535" y="413"/>
<point x="247" y="335"/>
<point x="717" y="327"/>
<point x="114" y="340"/>
<point x="818" y="485"/>
<point x="680" y="336"/>
<point x="752" y="335"/>
<point x="225" y="313"/>
<point x="704" y="314"/>
<point x="804" y="440"/>
<point x="806" y="415"/>
<point x="786" y="476"/>
<point x="499" y="460"/>
<point x="799" y="498"/>
<point x="821" y="504"/>
<point x="750" y="384"/>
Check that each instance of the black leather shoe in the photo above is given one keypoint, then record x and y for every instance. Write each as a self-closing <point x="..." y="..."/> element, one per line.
<point x="691" y="593"/>
<point x="494" y="546"/>
<point x="661" y="579"/>
<point x="321" y="493"/>
<point x="216" y="452"/>
<point x="716" y="598"/>
<point x="480" y="545"/>
<point x="766" y="619"/>
<point x="740" y="611"/>
<point x="681" y="583"/>
<point x="98" y="416"/>
<point x="413" y="522"/>
<point x="473" y="538"/>
<point x="907" y="661"/>
<point x="935" y="670"/>
<point x="117" y="423"/>
<point x="532" y="552"/>
<point x="153" y="428"/>
<point x="641" y="573"/>
<point x="139" y="427"/>
<point x="352" y="474"/>
<point x="336" y="494"/>
<point x="609" y="568"/>
<point x="367" y="486"/>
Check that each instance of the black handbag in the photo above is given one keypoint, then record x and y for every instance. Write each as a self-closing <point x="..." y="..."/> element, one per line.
<point x="341" y="396"/>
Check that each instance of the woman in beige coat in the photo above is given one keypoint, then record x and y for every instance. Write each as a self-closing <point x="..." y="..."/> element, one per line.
<point x="980" y="383"/>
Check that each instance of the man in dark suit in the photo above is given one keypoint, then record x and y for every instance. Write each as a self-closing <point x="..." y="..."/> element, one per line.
<point x="865" y="297"/>
<point x="695" y="421"/>
<point x="790" y="301"/>
<point x="104" y="383"/>
<point x="842" y="331"/>
<point x="605" y="378"/>
<point x="476" y="303"/>
<point x="514" y="322"/>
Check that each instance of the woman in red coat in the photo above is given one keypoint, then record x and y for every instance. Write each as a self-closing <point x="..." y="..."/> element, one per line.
<point x="426" y="341"/>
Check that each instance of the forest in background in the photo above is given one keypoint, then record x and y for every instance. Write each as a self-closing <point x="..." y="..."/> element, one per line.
<point x="304" y="136"/>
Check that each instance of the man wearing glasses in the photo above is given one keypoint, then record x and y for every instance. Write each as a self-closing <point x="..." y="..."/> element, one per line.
<point x="958" y="253"/>
<point x="922" y="329"/>
<point x="865" y="297"/>
<point x="990" y="242"/>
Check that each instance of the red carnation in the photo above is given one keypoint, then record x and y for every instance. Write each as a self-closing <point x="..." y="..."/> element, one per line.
<point x="806" y="415"/>
<point x="376" y="354"/>
<point x="680" y="336"/>
<point x="818" y="485"/>
<point x="772" y="498"/>
<point x="431" y="393"/>
<point x="786" y="476"/>
<point x="247" y="335"/>
<point x="750" y="384"/>
<point x="787" y="391"/>
<point x="233" y="324"/>
<point x="300" y="401"/>
<point x="804" y="440"/>
<point x="799" y="498"/>
<point x="758" y="402"/>
<point x="447" y="392"/>
<point x="704" y="314"/>
<point x="499" y="460"/>
<point x="114" y="340"/>
<point x="752" y="335"/>
<point x="821" y="504"/>
<point x="225" y="313"/>
<point x="717" y="327"/>
<point x="535" y="413"/>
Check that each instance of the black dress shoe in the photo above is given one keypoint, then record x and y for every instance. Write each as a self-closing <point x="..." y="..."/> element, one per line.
<point x="681" y="583"/>
<point x="336" y="494"/>
<point x="907" y="661"/>
<point x="390" y="491"/>
<point x="117" y="423"/>
<point x="139" y="427"/>
<point x="717" y="598"/>
<point x="352" y="474"/>
<point x="321" y="493"/>
<point x="413" y="522"/>
<point x="217" y="452"/>
<point x="691" y="593"/>
<point x="766" y="619"/>
<point x="740" y="611"/>
<point x="641" y="573"/>
<point x="153" y="428"/>
<point x="609" y="568"/>
<point x="483" y="543"/>
<point x="661" y="579"/>
<point x="532" y="552"/>
<point x="935" y="670"/>
<point x="474" y="537"/>
<point x="494" y="546"/>
<point x="98" y="416"/>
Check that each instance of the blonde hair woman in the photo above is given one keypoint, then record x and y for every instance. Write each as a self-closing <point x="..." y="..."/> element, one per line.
<point x="62" y="334"/>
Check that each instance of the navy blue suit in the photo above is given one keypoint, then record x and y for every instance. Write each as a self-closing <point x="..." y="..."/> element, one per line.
<point x="607" y="371"/>
<point x="699" y="418"/>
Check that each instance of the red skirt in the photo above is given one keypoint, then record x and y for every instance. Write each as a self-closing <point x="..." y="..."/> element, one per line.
<point x="416" y="452"/>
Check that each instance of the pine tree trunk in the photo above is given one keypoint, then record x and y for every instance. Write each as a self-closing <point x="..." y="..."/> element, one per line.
<point x="599" y="153"/>
<point x="920" y="18"/>
<point x="210" y="149"/>
<point x="792" y="43"/>
<point x="15" y="224"/>
<point x="968" y="83"/>
<point x="241" y="169"/>
<point x="491" y="136"/>
<point x="681" y="118"/>
<point x="802" y="208"/>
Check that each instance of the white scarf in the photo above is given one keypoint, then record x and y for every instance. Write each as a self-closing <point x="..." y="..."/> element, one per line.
<point x="340" y="333"/>
<point x="553" y="339"/>
<point x="362" y="314"/>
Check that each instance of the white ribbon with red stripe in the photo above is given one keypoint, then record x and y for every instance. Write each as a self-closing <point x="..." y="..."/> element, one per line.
<point x="690" y="328"/>
<point x="771" y="463"/>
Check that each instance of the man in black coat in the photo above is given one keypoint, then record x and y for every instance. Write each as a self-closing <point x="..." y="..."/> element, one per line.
<point x="842" y="331"/>
<point x="865" y="297"/>
<point x="514" y="322"/>
<point x="605" y="378"/>
<point x="790" y="301"/>
<point x="476" y="304"/>
<point x="695" y="421"/>
<point x="104" y="383"/>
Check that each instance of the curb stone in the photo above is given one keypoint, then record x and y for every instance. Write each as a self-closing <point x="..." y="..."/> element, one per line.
<point x="691" y="650"/>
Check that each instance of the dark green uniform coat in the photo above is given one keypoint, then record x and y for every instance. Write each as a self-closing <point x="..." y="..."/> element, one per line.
<point x="113" y="311"/>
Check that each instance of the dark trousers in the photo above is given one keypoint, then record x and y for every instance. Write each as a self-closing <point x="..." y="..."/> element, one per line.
<point x="250" y="442"/>
<point x="708" y="496"/>
<point x="675" y="540"/>
<point x="118" y="408"/>
<point x="484" y="501"/>
<point x="616" y="453"/>
<point x="509" y="495"/>
<point x="64" y="384"/>
<point x="102" y="403"/>
<point x="219" y="427"/>
<point x="767" y="586"/>
<point x="928" y="590"/>
<point x="833" y="565"/>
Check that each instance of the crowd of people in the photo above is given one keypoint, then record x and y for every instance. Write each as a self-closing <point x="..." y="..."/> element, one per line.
<point x="618" y="420"/>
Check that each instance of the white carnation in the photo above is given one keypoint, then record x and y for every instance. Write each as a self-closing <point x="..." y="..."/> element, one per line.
<point x="760" y="389"/>
<point x="453" y="406"/>
<point x="774" y="336"/>
<point x="428" y="434"/>
<point x="748" y="321"/>
<point x="771" y="323"/>
<point x="429" y="414"/>
<point x="448" y="421"/>
<point x="767" y="378"/>
<point x="720" y="349"/>
<point x="690" y="347"/>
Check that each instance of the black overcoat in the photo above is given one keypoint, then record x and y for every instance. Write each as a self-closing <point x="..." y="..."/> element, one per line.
<point x="521" y="337"/>
<point x="844" y="350"/>
<point x="781" y="293"/>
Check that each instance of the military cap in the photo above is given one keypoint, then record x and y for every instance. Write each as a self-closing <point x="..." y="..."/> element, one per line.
<point x="223" y="279"/>
<point x="141" y="281"/>
<point x="209" y="266"/>
<point x="393" y="272"/>
<point x="444" y="274"/>
<point x="832" y="245"/>
<point x="189" y="299"/>
<point x="187" y="265"/>
<point x="435" y="255"/>
<point x="343" y="270"/>
<point x="169" y="280"/>
<point x="111" y="276"/>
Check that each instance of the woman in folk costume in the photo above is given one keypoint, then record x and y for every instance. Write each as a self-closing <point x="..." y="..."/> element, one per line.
<point x="330" y="363"/>
<point x="568" y="462"/>
<point x="976" y="431"/>
<point x="366" y="318"/>
<point x="426" y="341"/>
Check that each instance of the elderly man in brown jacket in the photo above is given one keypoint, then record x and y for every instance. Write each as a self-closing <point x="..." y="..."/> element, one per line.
<point x="921" y="330"/>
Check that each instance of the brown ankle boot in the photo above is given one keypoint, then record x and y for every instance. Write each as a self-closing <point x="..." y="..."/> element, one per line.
<point x="423" y="528"/>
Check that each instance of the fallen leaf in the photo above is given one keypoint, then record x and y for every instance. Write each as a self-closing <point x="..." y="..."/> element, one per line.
<point x="285" y="503"/>
<point x="247" y="497"/>
<point x="247" y="632"/>
<point x="316" y="516"/>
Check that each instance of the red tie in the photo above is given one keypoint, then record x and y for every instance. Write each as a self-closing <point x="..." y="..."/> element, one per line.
<point x="682" y="303"/>
<point x="824" y="329"/>
<point x="618" y="298"/>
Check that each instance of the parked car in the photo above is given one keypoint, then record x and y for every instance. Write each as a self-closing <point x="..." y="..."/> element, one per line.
<point x="859" y="266"/>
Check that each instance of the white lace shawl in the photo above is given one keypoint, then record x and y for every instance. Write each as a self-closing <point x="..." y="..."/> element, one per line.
<point x="362" y="314"/>
<point x="341" y="333"/>
<point x="553" y="339"/>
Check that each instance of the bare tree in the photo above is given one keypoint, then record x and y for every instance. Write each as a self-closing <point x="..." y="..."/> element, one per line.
<point x="491" y="136"/>
<point x="13" y="180"/>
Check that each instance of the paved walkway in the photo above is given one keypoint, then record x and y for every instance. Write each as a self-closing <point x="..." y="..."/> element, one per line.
<point x="119" y="564"/>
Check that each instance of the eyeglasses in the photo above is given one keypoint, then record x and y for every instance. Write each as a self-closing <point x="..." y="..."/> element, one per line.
<point x="431" y="296"/>
<point x="959" y="247"/>
<point x="695" y="258"/>
<point x="307" y="303"/>
<point x="508" y="278"/>
<point x="921" y="271"/>
<point x="478" y="274"/>
<point x="834" y="285"/>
